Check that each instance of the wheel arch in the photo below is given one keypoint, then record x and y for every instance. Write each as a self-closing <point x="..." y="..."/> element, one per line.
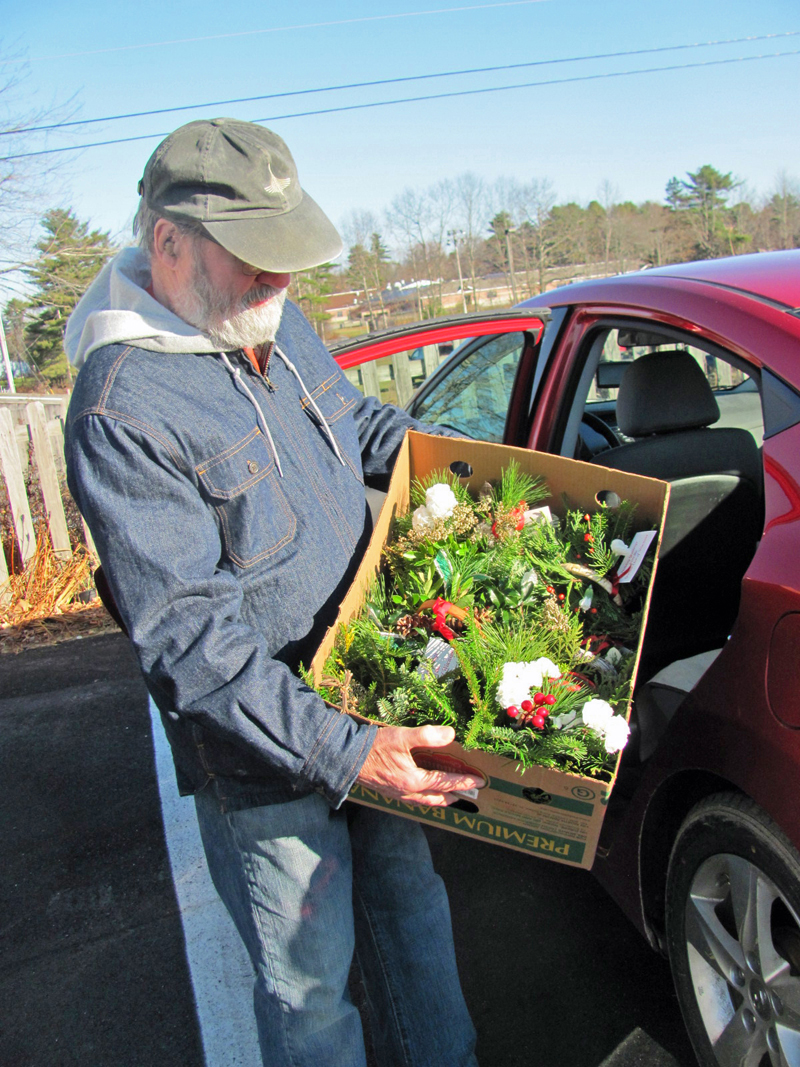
<point x="668" y="807"/>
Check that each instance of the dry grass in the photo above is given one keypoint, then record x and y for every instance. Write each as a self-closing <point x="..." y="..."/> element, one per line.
<point x="42" y="607"/>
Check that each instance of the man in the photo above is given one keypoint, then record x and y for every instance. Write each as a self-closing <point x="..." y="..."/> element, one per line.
<point x="219" y="455"/>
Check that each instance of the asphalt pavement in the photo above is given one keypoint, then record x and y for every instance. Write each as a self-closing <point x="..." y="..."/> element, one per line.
<point x="115" y="952"/>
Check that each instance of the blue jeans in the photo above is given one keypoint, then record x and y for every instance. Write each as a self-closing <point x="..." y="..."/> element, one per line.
<point x="304" y="884"/>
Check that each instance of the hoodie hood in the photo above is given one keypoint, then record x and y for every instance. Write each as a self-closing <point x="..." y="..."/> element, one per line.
<point x="117" y="309"/>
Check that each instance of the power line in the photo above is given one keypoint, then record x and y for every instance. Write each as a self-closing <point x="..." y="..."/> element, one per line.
<point x="398" y="81"/>
<point x="278" y="29"/>
<point x="419" y="99"/>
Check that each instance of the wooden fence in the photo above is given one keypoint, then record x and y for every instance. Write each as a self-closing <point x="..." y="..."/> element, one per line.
<point x="23" y="424"/>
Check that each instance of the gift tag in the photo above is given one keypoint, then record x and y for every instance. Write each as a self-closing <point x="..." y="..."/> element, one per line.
<point x="542" y="514"/>
<point x="439" y="657"/>
<point x="603" y="665"/>
<point x="630" y="564"/>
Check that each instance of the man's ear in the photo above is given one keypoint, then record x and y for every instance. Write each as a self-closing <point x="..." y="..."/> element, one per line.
<point x="168" y="243"/>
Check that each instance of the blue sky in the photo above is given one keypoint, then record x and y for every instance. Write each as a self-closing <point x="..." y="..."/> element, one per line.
<point x="635" y="131"/>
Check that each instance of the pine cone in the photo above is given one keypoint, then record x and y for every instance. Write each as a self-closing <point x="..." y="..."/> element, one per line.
<point x="406" y="624"/>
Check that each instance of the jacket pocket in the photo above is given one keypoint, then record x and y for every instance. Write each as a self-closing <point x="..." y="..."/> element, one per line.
<point x="243" y="486"/>
<point x="331" y="400"/>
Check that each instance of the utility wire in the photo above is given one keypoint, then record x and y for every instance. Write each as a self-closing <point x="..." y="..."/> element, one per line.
<point x="279" y="29"/>
<point x="398" y="81"/>
<point x="418" y="99"/>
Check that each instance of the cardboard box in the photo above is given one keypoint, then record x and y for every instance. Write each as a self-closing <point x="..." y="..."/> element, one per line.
<point x="543" y="812"/>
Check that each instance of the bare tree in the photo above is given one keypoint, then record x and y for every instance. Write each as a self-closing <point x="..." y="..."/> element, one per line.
<point x="27" y="181"/>
<point x="420" y="220"/>
<point x="607" y="196"/>
<point x="472" y="212"/>
<point x="785" y="210"/>
<point x="367" y="258"/>
<point x="536" y="203"/>
<point x="507" y="217"/>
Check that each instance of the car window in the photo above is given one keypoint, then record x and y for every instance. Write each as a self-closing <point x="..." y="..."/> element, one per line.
<point x="474" y="397"/>
<point x="393" y="379"/>
<point x="736" y="393"/>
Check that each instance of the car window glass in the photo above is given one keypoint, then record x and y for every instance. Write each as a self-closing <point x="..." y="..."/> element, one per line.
<point x="736" y="393"/>
<point x="474" y="397"/>
<point x="393" y="379"/>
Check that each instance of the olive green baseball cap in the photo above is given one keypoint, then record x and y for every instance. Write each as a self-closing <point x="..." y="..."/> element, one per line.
<point x="239" y="181"/>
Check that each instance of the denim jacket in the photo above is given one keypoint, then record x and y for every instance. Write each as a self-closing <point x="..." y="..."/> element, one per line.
<point x="227" y="572"/>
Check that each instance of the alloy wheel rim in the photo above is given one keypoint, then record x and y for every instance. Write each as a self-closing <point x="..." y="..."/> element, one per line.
<point x="743" y="948"/>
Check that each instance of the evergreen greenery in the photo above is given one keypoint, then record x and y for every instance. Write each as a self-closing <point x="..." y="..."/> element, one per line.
<point x="500" y="592"/>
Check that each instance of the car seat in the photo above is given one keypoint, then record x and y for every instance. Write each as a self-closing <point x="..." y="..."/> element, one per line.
<point x="715" y="513"/>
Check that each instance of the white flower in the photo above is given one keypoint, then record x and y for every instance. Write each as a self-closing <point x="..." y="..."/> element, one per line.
<point x="619" y="548"/>
<point x="616" y="734"/>
<point x="519" y="679"/>
<point x="586" y="600"/>
<point x="440" y="500"/>
<point x="515" y="685"/>
<point x="597" y="714"/>
<point x="422" y="520"/>
<point x="613" y="656"/>
<point x="547" y="667"/>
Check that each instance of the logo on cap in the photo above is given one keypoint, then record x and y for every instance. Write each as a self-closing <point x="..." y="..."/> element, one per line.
<point x="276" y="184"/>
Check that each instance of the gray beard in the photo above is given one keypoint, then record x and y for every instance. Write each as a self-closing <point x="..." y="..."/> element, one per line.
<point x="230" y="326"/>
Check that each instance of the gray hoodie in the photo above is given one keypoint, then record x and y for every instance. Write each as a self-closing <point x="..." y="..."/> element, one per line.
<point x="116" y="309"/>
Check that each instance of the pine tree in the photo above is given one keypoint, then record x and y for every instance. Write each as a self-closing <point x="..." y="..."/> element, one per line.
<point x="70" y="256"/>
<point x="313" y="287"/>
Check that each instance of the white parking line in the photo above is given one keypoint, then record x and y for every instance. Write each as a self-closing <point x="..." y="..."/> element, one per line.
<point x="222" y="976"/>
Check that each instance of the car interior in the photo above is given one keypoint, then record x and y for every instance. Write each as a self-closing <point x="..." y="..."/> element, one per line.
<point x="659" y="405"/>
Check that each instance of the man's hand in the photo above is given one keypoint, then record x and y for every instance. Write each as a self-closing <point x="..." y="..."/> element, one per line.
<point x="390" y="767"/>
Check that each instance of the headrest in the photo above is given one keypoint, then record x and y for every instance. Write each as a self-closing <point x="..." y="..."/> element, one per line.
<point x="663" y="392"/>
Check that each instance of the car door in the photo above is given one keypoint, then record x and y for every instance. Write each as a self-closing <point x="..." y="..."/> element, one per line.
<point x="462" y="371"/>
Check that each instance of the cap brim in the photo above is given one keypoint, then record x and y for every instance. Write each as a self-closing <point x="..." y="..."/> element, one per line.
<point x="296" y="240"/>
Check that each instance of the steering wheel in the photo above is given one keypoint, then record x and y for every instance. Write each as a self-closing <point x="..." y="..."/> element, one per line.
<point x="602" y="429"/>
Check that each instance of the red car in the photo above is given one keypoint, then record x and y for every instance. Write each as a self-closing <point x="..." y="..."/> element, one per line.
<point x="689" y="373"/>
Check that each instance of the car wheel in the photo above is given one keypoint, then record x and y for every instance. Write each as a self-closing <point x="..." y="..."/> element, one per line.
<point x="733" y="934"/>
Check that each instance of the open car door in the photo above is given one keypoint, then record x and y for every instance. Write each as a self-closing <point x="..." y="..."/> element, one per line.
<point x="472" y="373"/>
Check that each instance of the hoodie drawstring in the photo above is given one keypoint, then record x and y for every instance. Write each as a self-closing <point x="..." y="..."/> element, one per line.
<point x="328" y="432"/>
<point x="237" y="374"/>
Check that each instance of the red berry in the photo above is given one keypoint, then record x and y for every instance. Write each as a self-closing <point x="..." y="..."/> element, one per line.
<point x="588" y="537"/>
<point x="538" y="698"/>
<point x="594" y="611"/>
<point x="587" y="518"/>
<point x="549" y="699"/>
<point x="526" y="705"/>
<point x="512" y="712"/>
<point x="538" y="721"/>
<point x="561" y="596"/>
<point x="544" y="710"/>
<point x="550" y="589"/>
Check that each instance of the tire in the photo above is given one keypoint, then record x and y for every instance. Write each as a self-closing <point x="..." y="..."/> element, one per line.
<point x="733" y="934"/>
